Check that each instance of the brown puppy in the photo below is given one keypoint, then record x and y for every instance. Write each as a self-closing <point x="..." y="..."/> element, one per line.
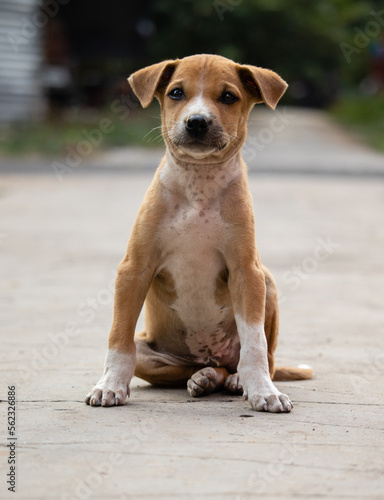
<point x="192" y="254"/>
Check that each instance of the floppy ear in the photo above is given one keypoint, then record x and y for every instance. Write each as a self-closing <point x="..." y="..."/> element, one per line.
<point x="265" y="85"/>
<point x="147" y="81"/>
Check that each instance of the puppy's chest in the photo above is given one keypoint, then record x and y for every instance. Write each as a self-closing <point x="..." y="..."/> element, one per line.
<point x="191" y="228"/>
<point x="191" y="239"/>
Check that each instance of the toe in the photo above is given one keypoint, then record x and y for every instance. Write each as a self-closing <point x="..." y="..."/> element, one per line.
<point x="232" y="383"/>
<point x="274" y="404"/>
<point x="95" y="399"/>
<point x="198" y="385"/>
<point x="258" y="403"/>
<point x="236" y="388"/>
<point x="194" y="389"/>
<point x="120" y="397"/>
<point x="286" y="403"/>
<point x="202" y="381"/>
<point x="108" y="398"/>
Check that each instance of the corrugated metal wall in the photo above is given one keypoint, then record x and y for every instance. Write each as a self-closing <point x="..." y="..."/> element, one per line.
<point x="21" y="30"/>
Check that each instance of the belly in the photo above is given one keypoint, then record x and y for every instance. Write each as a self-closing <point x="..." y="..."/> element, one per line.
<point x="190" y="294"/>
<point x="196" y="323"/>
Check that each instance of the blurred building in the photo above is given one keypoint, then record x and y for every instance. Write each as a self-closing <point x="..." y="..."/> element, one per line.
<point x="55" y="54"/>
<point x="21" y="91"/>
<point x="95" y="46"/>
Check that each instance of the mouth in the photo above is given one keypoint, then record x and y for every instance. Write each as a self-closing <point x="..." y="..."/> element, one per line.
<point x="198" y="148"/>
<point x="187" y="138"/>
<point x="200" y="144"/>
<point x="205" y="145"/>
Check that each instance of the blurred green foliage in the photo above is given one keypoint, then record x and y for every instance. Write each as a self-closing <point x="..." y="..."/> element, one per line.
<point x="364" y="116"/>
<point x="57" y="137"/>
<point x="301" y="40"/>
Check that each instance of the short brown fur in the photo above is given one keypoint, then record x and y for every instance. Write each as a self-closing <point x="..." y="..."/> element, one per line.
<point x="200" y="183"/>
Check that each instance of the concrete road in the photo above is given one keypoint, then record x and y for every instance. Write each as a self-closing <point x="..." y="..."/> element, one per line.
<point x="321" y="234"/>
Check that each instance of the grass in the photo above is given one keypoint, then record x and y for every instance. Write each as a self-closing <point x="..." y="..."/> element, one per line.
<point x="363" y="115"/>
<point x="53" y="138"/>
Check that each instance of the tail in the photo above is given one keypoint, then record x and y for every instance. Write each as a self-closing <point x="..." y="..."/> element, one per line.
<point x="301" y="372"/>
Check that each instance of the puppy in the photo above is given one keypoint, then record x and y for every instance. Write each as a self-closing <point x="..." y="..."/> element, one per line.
<point x="211" y="315"/>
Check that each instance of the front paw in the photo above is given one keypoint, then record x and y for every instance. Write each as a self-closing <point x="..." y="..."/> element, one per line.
<point x="263" y="395"/>
<point x="113" y="387"/>
<point x="107" y="394"/>
<point x="275" y="402"/>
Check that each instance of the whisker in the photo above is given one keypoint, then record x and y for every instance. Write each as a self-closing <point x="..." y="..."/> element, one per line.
<point x="152" y="130"/>
<point x="156" y="139"/>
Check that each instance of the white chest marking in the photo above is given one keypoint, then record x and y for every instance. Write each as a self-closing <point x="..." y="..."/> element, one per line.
<point x="191" y="240"/>
<point x="192" y="236"/>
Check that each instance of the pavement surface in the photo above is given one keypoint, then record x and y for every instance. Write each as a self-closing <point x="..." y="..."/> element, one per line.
<point x="319" y="204"/>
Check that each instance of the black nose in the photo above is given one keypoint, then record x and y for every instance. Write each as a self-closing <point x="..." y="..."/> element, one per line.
<point x="197" y="125"/>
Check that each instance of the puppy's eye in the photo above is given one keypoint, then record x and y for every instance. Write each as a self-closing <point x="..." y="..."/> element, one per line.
<point x="176" y="94"/>
<point x="228" y="97"/>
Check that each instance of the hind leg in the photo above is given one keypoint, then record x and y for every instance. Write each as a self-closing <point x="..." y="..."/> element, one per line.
<point x="232" y="383"/>
<point x="271" y="324"/>
<point x="155" y="368"/>
<point x="207" y="380"/>
<point x="158" y="368"/>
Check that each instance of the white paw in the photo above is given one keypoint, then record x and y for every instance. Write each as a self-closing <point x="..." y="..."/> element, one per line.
<point x="264" y="396"/>
<point x="274" y="403"/>
<point x="202" y="382"/>
<point x="254" y="373"/>
<point x="113" y="387"/>
<point x="107" y="393"/>
<point x="233" y="384"/>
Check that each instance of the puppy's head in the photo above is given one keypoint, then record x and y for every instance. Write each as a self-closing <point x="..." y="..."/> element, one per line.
<point x="205" y="101"/>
